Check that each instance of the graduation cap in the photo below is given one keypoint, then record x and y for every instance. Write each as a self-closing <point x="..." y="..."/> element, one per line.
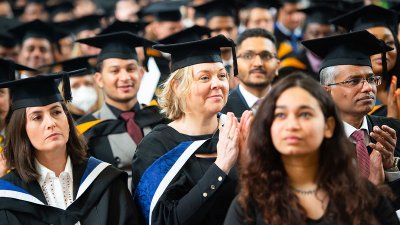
<point x="37" y="29"/>
<point x="366" y="17"/>
<point x="117" y="26"/>
<point x="353" y="48"/>
<point x="8" y="69"/>
<point x="8" y="23"/>
<point x="320" y="13"/>
<point x="217" y="8"/>
<point x="7" y="40"/>
<point x="117" y="45"/>
<point x="89" y="22"/>
<point x="164" y="10"/>
<point x="260" y="4"/>
<point x="77" y="63"/>
<point x="195" y="52"/>
<point x="193" y="33"/>
<point x="63" y="7"/>
<point x="40" y="90"/>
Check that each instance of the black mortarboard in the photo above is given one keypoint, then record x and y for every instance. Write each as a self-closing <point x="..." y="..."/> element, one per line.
<point x="321" y="13"/>
<point x="366" y="17"/>
<point x="40" y="90"/>
<point x="117" y="26"/>
<point x="217" y="8"/>
<point x="8" y="23"/>
<point x="8" y="68"/>
<point x="63" y="7"/>
<point x="75" y="26"/>
<point x="164" y="10"/>
<point x="7" y="40"/>
<point x="37" y="29"/>
<point x="260" y="4"/>
<point x="117" y="45"/>
<point x="193" y="33"/>
<point x="77" y="63"/>
<point x="353" y="48"/>
<point x="195" y="52"/>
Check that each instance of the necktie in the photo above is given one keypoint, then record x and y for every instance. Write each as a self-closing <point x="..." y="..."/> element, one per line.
<point x="362" y="152"/>
<point x="293" y="42"/>
<point x="255" y="106"/>
<point x="132" y="127"/>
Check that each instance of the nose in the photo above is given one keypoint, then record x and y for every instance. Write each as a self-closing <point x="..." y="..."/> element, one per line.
<point x="49" y="122"/>
<point x="366" y="87"/>
<point x="257" y="61"/>
<point x="216" y="83"/>
<point x="292" y="122"/>
<point x="124" y="75"/>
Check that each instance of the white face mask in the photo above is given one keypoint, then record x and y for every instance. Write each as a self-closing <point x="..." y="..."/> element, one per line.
<point x="84" y="97"/>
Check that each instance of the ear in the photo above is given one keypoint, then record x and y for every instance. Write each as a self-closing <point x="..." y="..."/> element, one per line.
<point x="278" y="66"/>
<point x="329" y="127"/>
<point x="141" y="73"/>
<point x="99" y="79"/>
<point x="327" y="88"/>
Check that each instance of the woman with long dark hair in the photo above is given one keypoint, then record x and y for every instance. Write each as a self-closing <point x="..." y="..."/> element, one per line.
<point x="51" y="180"/>
<point x="300" y="167"/>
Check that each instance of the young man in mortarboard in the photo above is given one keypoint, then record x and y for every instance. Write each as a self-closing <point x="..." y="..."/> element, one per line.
<point x="287" y="26"/>
<point x="222" y="18"/>
<point x="346" y="73"/>
<point x="258" y="15"/>
<point x="316" y="25"/>
<point x="38" y="42"/>
<point x="117" y="128"/>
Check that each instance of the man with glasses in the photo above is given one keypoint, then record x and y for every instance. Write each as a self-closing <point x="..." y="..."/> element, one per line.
<point x="346" y="73"/>
<point x="257" y="66"/>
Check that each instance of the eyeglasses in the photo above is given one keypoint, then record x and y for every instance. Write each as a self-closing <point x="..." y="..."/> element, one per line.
<point x="373" y="80"/>
<point x="264" y="56"/>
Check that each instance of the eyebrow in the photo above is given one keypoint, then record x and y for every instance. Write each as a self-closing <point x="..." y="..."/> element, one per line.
<point x="360" y="75"/>
<point x="300" y="107"/>
<point x="39" y="111"/>
<point x="209" y="71"/>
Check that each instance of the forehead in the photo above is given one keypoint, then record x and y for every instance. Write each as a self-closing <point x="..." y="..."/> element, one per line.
<point x="295" y="97"/>
<point x="259" y="13"/>
<point x="216" y="66"/>
<point x="119" y="62"/>
<point x="218" y="21"/>
<point x="36" y="42"/>
<point x="43" y="108"/>
<point x="346" y="71"/>
<point x="257" y="44"/>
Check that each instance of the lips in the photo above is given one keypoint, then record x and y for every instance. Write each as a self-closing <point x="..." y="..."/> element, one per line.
<point x="292" y="139"/>
<point x="53" y="135"/>
<point x="216" y="96"/>
<point x="258" y="71"/>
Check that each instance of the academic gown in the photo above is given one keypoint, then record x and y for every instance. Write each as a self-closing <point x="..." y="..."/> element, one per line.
<point x="100" y="198"/>
<point x="109" y="140"/>
<point x="236" y="103"/>
<point x="384" y="212"/>
<point x="199" y="194"/>
<point x="394" y="124"/>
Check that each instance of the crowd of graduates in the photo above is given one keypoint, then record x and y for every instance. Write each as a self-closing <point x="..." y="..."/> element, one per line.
<point x="199" y="112"/>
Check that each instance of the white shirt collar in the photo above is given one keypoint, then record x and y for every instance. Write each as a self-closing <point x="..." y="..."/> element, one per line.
<point x="44" y="171"/>
<point x="248" y="97"/>
<point x="350" y="129"/>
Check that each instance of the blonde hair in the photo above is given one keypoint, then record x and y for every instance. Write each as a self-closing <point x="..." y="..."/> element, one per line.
<point x="174" y="91"/>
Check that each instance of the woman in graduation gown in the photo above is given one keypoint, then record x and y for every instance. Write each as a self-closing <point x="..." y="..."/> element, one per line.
<point x="184" y="172"/>
<point x="301" y="166"/>
<point x="52" y="181"/>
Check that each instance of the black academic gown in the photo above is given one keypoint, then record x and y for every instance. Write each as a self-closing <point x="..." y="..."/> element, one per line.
<point x="384" y="212"/>
<point x="109" y="140"/>
<point x="106" y="201"/>
<point x="394" y="124"/>
<point x="236" y="103"/>
<point x="199" y="194"/>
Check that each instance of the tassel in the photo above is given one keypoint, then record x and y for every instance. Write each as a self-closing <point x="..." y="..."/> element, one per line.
<point x="235" y="66"/>
<point x="66" y="87"/>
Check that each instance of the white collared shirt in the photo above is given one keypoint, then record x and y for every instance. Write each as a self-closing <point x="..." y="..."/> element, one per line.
<point x="390" y="176"/>
<point x="248" y="97"/>
<point x="57" y="190"/>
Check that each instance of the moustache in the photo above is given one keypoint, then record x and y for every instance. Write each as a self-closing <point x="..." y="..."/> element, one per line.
<point x="258" y="70"/>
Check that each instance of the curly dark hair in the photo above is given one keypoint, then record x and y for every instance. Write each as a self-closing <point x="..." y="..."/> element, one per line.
<point x="266" y="183"/>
